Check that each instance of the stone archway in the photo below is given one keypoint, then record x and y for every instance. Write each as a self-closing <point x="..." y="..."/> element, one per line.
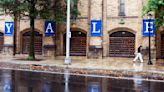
<point x="1" y="41"/>
<point x="25" y="42"/>
<point x="162" y="45"/>
<point x="121" y="44"/>
<point x="77" y="43"/>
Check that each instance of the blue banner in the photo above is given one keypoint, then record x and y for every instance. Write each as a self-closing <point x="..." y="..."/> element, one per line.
<point x="96" y="28"/>
<point x="9" y="28"/>
<point x="148" y="25"/>
<point x="50" y="28"/>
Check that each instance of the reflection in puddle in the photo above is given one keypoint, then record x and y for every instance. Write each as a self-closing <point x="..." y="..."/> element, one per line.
<point x="66" y="80"/>
<point x="6" y="81"/>
<point x="138" y="66"/>
<point x="19" y="81"/>
<point x="137" y="82"/>
<point x="94" y="87"/>
<point x="46" y="87"/>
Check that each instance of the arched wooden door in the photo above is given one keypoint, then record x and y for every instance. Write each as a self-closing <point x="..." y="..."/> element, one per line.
<point x="77" y="43"/>
<point x="1" y="41"/>
<point x="121" y="44"/>
<point x="162" y="45"/>
<point x="37" y="43"/>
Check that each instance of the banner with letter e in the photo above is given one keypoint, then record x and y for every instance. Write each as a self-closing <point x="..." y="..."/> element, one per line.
<point x="148" y="25"/>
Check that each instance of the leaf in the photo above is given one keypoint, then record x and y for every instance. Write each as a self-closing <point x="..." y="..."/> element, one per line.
<point x="156" y="6"/>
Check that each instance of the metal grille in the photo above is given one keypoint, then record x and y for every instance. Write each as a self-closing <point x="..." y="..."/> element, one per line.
<point x="122" y="46"/>
<point x="37" y="44"/>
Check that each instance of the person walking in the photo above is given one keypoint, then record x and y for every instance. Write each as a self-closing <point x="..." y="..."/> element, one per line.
<point x="139" y="55"/>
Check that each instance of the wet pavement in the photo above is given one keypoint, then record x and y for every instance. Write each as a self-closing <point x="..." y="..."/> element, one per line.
<point x="20" y="81"/>
<point x="115" y="67"/>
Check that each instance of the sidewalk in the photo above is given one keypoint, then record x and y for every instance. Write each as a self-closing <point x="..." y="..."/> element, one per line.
<point x="119" y="67"/>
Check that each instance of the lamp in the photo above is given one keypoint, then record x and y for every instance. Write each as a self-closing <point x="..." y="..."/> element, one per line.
<point x="149" y="19"/>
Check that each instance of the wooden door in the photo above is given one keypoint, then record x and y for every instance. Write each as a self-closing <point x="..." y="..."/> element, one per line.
<point x="122" y="44"/>
<point x="37" y="43"/>
<point x="77" y="44"/>
<point x="162" y="46"/>
<point x="1" y="41"/>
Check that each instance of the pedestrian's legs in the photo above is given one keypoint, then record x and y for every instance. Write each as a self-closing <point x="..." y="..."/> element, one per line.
<point x="140" y="57"/>
<point x="136" y="57"/>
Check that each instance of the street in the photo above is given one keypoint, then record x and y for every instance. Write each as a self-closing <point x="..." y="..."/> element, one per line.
<point x="21" y="81"/>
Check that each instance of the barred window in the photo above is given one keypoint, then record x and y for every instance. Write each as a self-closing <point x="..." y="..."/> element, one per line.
<point x="122" y="8"/>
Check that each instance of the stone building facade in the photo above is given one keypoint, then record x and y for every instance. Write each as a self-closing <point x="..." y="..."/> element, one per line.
<point x="121" y="32"/>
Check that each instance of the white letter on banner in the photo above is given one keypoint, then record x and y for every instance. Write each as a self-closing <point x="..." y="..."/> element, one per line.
<point x="149" y="27"/>
<point x="94" y="28"/>
<point x="8" y="25"/>
<point x="49" y="27"/>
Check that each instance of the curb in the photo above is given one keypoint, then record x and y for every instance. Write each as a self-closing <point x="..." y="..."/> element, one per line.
<point x="146" y="75"/>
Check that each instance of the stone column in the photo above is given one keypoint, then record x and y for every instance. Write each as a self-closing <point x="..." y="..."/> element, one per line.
<point x="105" y="32"/>
<point x="8" y="40"/>
<point x="8" y="45"/>
<point x="49" y="47"/>
<point x="158" y="43"/>
<point x="18" y="38"/>
<point x="95" y="43"/>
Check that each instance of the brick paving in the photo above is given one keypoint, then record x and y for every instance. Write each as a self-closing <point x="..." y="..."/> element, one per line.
<point x="115" y="67"/>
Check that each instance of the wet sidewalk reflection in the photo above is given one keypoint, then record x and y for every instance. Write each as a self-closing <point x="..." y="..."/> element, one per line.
<point x="6" y="81"/>
<point x="19" y="81"/>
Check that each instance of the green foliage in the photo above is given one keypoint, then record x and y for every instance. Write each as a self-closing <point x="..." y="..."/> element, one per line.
<point x="74" y="8"/>
<point x="8" y="5"/>
<point x="59" y="11"/>
<point x="156" y="6"/>
<point x="46" y="9"/>
<point x="30" y="58"/>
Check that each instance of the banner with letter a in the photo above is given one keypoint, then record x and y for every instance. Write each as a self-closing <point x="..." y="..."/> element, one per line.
<point x="50" y="28"/>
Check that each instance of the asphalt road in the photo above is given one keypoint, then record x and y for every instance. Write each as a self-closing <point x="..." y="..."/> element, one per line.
<point x="21" y="81"/>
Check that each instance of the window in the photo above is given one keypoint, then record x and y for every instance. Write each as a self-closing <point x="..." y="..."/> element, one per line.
<point x="122" y="8"/>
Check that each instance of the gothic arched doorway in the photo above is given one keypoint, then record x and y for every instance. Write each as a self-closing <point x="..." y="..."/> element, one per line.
<point x="162" y="45"/>
<point x="26" y="42"/>
<point x="121" y="44"/>
<point x="77" y="43"/>
<point x="1" y="41"/>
